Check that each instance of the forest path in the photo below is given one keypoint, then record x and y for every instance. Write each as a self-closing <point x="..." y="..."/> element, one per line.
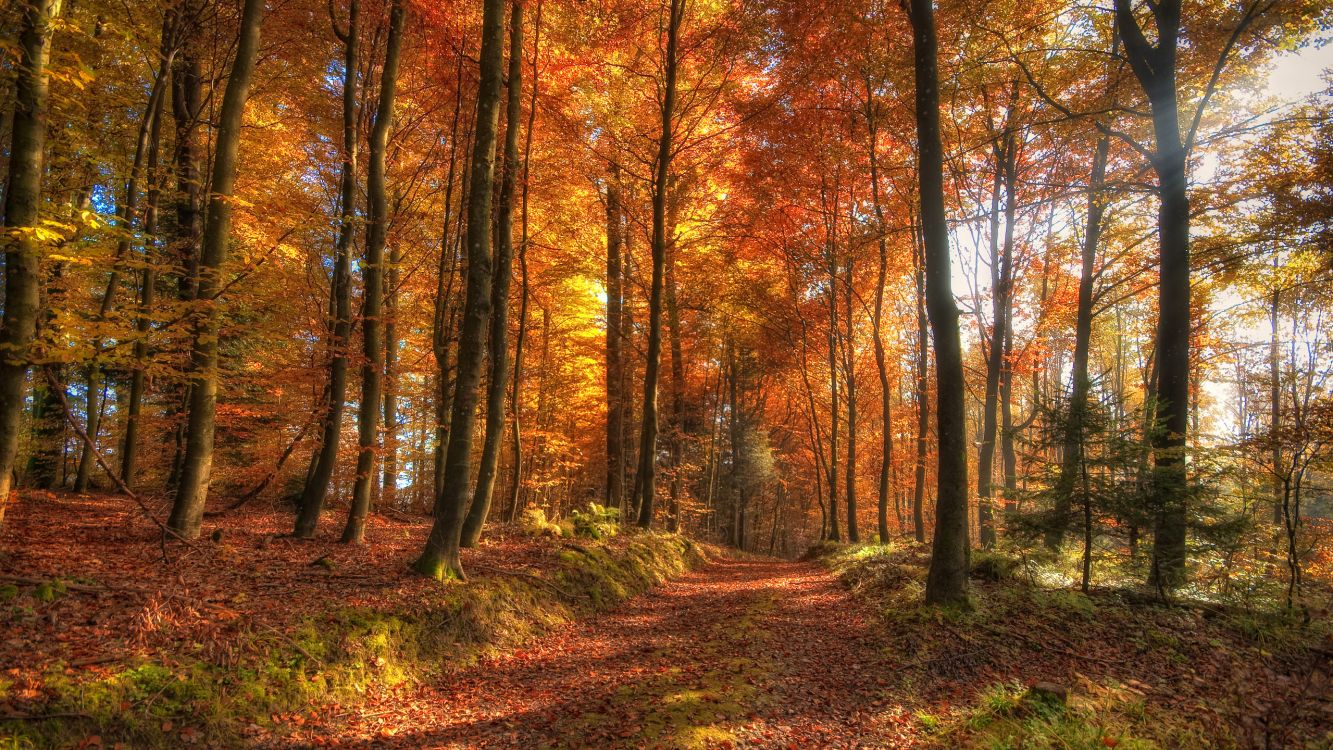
<point x="737" y="654"/>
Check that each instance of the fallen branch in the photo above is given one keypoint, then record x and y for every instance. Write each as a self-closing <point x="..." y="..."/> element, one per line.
<point x="44" y="717"/>
<point x="89" y="444"/>
<point x="263" y="483"/>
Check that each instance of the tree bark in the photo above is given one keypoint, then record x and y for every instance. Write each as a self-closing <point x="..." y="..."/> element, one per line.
<point x="1154" y="65"/>
<point x="23" y="196"/>
<point x="922" y="395"/>
<point x="677" y="431"/>
<point x="326" y="457"/>
<point x="886" y="478"/>
<point x="947" y="579"/>
<point x="1001" y="280"/>
<point x="196" y="466"/>
<point x="645" y="481"/>
<point x="1071" y="465"/>
<point x="440" y="557"/>
<point x="516" y="474"/>
<point x="504" y="253"/>
<point x="147" y="297"/>
<point x="615" y="341"/>
<point x="372" y="324"/>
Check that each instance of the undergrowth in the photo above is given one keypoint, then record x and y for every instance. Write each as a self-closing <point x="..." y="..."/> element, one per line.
<point x="1025" y="621"/>
<point x="341" y="655"/>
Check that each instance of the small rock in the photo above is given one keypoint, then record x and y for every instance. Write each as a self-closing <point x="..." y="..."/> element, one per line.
<point x="1047" y="693"/>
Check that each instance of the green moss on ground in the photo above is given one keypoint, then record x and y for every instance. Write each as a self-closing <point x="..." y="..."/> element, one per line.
<point x="338" y="656"/>
<point x="1105" y="645"/>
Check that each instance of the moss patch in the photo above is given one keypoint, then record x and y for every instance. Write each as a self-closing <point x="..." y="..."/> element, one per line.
<point x="341" y="655"/>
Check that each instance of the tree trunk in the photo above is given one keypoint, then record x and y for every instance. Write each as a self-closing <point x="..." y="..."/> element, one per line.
<point x="389" y="487"/>
<point x="372" y="324"/>
<point x="22" y="208"/>
<point x="326" y="457"/>
<point x="1071" y="466"/>
<point x="1005" y="151"/>
<point x="922" y="396"/>
<point x="615" y="339"/>
<point x="504" y="253"/>
<point x="645" y="481"/>
<point x="1154" y="66"/>
<point x="947" y="579"/>
<point x="835" y="526"/>
<point x="196" y="466"/>
<point x="677" y="370"/>
<point x="886" y="483"/>
<point x="442" y="321"/>
<point x="147" y="297"/>
<point x="849" y="376"/>
<point x="440" y="557"/>
<point x="187" y="98"/>
<point x="516" y="476"/>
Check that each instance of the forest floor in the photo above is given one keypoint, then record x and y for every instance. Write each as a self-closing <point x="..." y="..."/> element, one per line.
<point x="256" y="640"/>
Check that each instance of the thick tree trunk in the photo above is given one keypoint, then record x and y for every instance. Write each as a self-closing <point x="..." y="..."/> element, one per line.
<point x="440" y="557"/>
<point x="498" y="385"/>
<point x="187" y="98"/>
<point x="326" y="457"/>
<point x="372" y="324"/>
<point x="1154" y="65"/>
<point x="22" y="212"/>
<point x="947" y="579"/>
<point x="196" y="466"/>
<point x="645" y="481"/>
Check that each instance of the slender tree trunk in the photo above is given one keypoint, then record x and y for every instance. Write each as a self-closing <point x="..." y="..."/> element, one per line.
<point x="615" y="339"/>
<point x="886" y="483"/>
<point x="645" y="481"/>
<point x="389" y="488"/>
<point x="326" y="457"/>
<point x="197" y="464"/>
<point x="1071" y="466"/>
<point x="147" y="297"/>
<point x="440" y="557"/>
<point x="442" y="322"/>
<point x="1275" y="397"/>
<point x="947" y="579"/>
<point x="1001" y="280"/>
<point x="516" y="477"/>
<point x="677" y="369"/>
<point x="835" y="526"/>
<point x="849" y="367"/>
<point x="127" y="217"/>
<point x="504" y="253"/>
<point x="377" y="226"/>
<point x="922" y="396"/>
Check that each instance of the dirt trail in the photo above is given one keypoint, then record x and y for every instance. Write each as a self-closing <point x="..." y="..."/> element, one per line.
<point x="739" y="654"/>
